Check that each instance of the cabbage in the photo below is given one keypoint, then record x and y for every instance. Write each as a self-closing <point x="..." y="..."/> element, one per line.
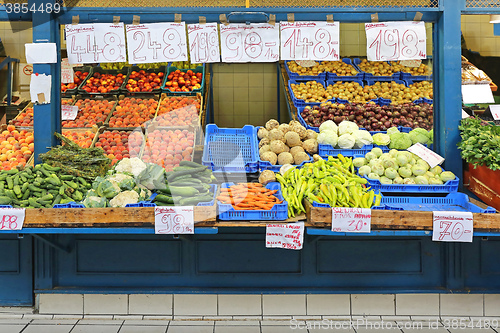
<point x="397" y="180"/>
<point x="447" y="175"/>
<point x="378" y="169"/>
<point x="328" y="137"/>
<point x="125" y="182"/>
<point x="370" y="156"/>
<point x="329" y="125"/>
<point x="372" y="175"/>
<point x="362" y="138"/>
<point x="431" y="137"/>
<point x="364" y="170"/>
<point x="374" y="161"/>
<point x="377" y="151"/>
<point x="409" y="181"/>
<point x="391" y="173"/>
<point x="346" y="141"/>
<point x="435" y="181"/>
<point x="400" y="141"/>
<point x="392" y="130"/>
<point x="404" y="172"/>
<point x="94" y="202"/>
<point x="418" y="170"/>
<point x="359" y="162"/>
<point x="385" y="180"/>
<point x="381" y="139"/>
<point x="347" y="127"/>
<point x="393" y="152"/>
<point x="419" y="135"/>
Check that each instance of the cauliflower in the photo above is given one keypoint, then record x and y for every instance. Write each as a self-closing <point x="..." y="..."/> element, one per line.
<point x="124" y="198"/>
<point x="419" y="135"/>
<point x="400" y="141"/>
<point x="381" y="139"/>
<point x="329" y="125"/>
<point x="346" y="141"/>
<point x="125" y="182"/>
<point x="143" y="191"/>
<point x="347" y="127"/>
<point x="362" y="138"/>
<point x="328" y="137"/>
<point x="94" y="202"/>
<point x="132" y="165"/>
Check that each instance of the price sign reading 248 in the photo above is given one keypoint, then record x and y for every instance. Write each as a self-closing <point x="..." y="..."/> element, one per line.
<point x="257" y="42"/>
<point x="395" y="41"/>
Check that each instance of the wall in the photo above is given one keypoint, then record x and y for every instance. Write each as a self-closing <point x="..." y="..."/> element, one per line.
<point x="478" y="34"/>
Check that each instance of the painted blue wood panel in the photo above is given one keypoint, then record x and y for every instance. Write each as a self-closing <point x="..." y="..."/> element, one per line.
<point x="15" y="271"/>
<point x="481" y="261"/>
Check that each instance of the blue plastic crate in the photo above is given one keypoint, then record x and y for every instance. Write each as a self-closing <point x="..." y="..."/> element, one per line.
<point x="408" y="76"/>
<point x="370" y="76"/>
<point x="303" y="122"/>
<point x="145" y="203"/>
<point x="370" y="82"/>
<point x="300" y="102"/>
<point x="449" y="186"/>
<point x="213" y="191"/>
<point x="231" y="149"/>
<point x="452" y="202"/>
<point x="297" y="77"/>
<point x="325" y="205"/>
<point x="328" y="150"/>
<point x="6" y="206"/>
<point x="423" y="100"/>
<point x="71" y="204"/>
<point x="332" y="81"/>
<point x="170" y="69"/>
<point x="354" y="62"/>
<point x="279" y="212"/>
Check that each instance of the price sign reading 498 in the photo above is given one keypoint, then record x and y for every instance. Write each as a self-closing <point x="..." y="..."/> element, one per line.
<point x="395" y="41"/>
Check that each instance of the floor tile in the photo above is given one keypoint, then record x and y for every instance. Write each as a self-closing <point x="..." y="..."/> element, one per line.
<point x="14" y="321"/>
<point x="95" y="329"/>
<point x="328" y="304"/>
<point x="11" y="328"/>
<point x="281" y="322"/>
<point x="284" y="305"/>
<point x="143" y="329"/>
<point x="383" y="304"/>
<point x="240" y="305"/>
<point x="61" y="303"/>
<point x="54" y="322"/>
<point x="192" y="323"/>
<point x="237" y="323"/>
<point x="47" y="329"/>
<point x="150" y="304"/>
<point x="280" y="329"/>
<point x="105" y="304"/>
<point x="190" y="329"/>
<point x="417" y="304"/>
<point x="146" y="322"/>
<point x="100" y="322"/>
<point x="425" y="330"/>
<point x="461" y="304"/>
<point x="237" y="329"/>
<point x="11" y="315"/>
<point x="204" y="305"/>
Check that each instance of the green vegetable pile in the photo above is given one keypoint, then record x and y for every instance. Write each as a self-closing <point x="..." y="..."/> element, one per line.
<point x="480" y="144"/>
<point x="333" y="182"/>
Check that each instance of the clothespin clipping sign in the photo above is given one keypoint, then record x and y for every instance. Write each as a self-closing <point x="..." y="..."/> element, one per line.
<point x="136" y="20"/>
<point x="418" y="16"/>
<point x="75" y="19"/>
<point x="272" y="19"/>
<point x="178" y="18"/>
<point x="374" y="17"/>
<point x="202" y="20"/>
<point x="116" y="20"/>
<point x="329" y="18"/>
<point x="223" y="19"/>
<point x="290" y="17"/>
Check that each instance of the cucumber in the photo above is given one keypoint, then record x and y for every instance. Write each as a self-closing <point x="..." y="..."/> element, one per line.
<point x="5" y="200"/>
<point x="191" y="171"/>
<point x="164" y="199"/>
<point x="183" y="191"/>
<point x="190" y="164"/>
<point x="195" y="200"/>
<point x="66" y="177"/>
<point x="10" y="182"/>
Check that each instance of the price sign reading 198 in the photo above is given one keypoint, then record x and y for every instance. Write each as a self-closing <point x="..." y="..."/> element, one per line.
<point x="395" y="41"/>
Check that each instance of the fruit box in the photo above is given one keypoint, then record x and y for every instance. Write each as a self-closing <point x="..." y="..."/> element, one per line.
<point x="71" y="92"/>
<point x="115" y="121"/>
<point x="100" y="70"/>
<point x="110" y="98"/>
<point x="95" y="131"/>
<point x="157" y="90"/>
<point x="298" y="77"/>
<point x="13" y="121"/>
<point x="370" y="76"/>
<point x="135" y="142"/>
<point x="485" y="183"/>
<point x="162" y="119"/>
<point x="199" y="69"/>
<point x="300" y="102"/>
<point x="360" y="76"/>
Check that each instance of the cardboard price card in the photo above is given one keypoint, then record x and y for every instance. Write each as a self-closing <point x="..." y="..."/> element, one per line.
<point x="203" y="43"/>
<point x="174" y="220"/>
<point x="285" y="236"/>
<point x="12" y="218"/>
<point x="345" y="219"/>
<point x="69" y="112"/>
<point x="426" y="154"/>
<point x="452" y="227"/>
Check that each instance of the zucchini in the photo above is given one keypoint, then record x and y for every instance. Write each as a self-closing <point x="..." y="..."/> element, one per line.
<point x="164" y="199"/>
<point x="66" y="177"/>
<point x="193" y="201"/>
<point x="5" y="200"/>
<point x="183" y="191"/>
<point x="190" y="164"/>
<point x="10" y="182"/>
<point x="191" y="171"/>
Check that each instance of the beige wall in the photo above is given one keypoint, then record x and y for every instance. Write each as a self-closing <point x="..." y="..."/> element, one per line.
<point x="478" y="34"/>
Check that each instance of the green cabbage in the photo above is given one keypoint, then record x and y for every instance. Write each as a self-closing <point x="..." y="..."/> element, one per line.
<point x="377" y="151"/>
<point x="359" y="161"/>
<point x="381" y="139"/>
<point x="392" y="130"/>
<point x="108" y="189"/>
<point x="94" y="202"/>
<point x="400" y="141"/>
<point x="364" y="170"/>
<point x="329" y="125"/>
<point x="419" y="135"/>
<point x="346" y="141"/>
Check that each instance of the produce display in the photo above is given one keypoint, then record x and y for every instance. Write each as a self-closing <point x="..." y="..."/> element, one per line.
<point x="480" y="143"/>
<point x="336" y="67"/>
<point x="379" y="68"/>
<point x="310" y="92"/>
<point x="286" y="143"/>
<point x="67" y="101"/>
<point x="168" y="147"/>
<point x="16" y="147"/>
<point x="178" y="111"/>
<point x="180" y="81"/>
<point x="79" y="77"/>
<point x="421" y="70"/>
<point x="400" y="167"/>
<point x="90" y="112"/>
<point x="142" y="81"/>
<point x="103" y="83"/>
<point x="133" y="112"/>
<point x="120" y="144"/>
<point x="185" y="65"/>
<point x="371" y="116"/>
<point x="24" y="118"/>
<point x="121" y="65"/>
<point x="249" y="196"/>
<point x="83" y="139"/>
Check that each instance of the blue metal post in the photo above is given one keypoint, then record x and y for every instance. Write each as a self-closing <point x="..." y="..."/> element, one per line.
<point x="47" y="117"/>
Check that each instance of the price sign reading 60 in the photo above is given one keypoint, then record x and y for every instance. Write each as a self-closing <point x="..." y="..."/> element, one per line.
<point x="395" y="41"/>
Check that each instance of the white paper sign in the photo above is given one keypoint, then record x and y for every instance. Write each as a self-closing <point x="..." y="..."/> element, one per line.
<point x="69" y="112"/>
<point x="203" y="43"/>
<point x="452" y="227"/>
<point x="12" y="218"/>
<point x="466" y="115"/>
<point x="67" y="72"/>
<point x="411" y="63"/>
<point x="477" y="93"/>
<point x="156" y="42"/>
<point x="40" y="88"/>
<point x="41" y="53"/>
<point x="310" y="41"/>
<point x="80" y="40"/>
<point x="110" y="42"/>
<point x="174" y="220"/>
<point x="256" y="42"/>
<point x="346" y="219"/>
<point x="426" y="154"/>
<point x="495" y="111"/>
<point x="387" y="41"/>
<point x="285" y="236"/>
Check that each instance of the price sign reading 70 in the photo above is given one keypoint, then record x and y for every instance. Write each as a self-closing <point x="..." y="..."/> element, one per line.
<point x="395" y="41"/>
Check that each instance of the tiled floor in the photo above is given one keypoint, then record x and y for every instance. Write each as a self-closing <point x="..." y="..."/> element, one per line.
<point x="33" y="323"/>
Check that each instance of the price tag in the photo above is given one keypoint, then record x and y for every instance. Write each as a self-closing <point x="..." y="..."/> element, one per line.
<point x="426" y="154"/>
<point x="477" y="93"/>
<point x="67" y="73"/>
<point x="174" y="220"/>
<point x="69" y="112"/>
<point x="351" y="219"/>
<point x="495" y="111"/>
<point x="203" y="43"/>
<point x="411" y="63"/>
<point x="12" y="218"/>
<point x="285" y="236"/>
<point x="256" y="42"/>
<point x="307" y="63"/>
<point x="80" y="42"/>
<point x="310" y="41"/>
<point x="465" y="115"/>
<point x="452" y="227"/>
<point x="387" y="41"/>
<point x="110" y="42"/>
<point x="156" y="42"/>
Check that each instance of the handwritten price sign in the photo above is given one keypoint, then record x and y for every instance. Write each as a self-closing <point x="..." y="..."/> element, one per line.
<point x="256" y="42"/>
<point x="67" y="73"/>
<point x="351" y="219"/>
<point x="98" y="42"/>
<point x="285" y="236"/>
<point x="156" y="42"/>
<point x="11" y="218"/>
<point x="174" y="220"/>
<point x="426" y="154"/>
<point x="395" y="41"/>
<point x="203" y="43"/>
<point x="309" y="41"/>
<point x="69" y="112"/>
<point x="452" y="226"/>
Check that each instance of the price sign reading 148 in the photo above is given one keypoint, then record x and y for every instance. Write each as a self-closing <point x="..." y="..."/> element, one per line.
<point x="395" y="41"/>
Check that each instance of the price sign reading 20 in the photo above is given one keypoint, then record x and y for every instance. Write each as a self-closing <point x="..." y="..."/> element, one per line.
<point x="395" y="41"/>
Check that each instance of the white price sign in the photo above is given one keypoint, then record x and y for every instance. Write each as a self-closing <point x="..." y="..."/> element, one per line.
<point x="69" y="112"/>
<point x="256" y="42"/>
<point x="310" y="41"/>
<point x="12" y="218"/>
<point x="285" y="236"/>
<point x="426" y="154"/>
<point x="98" y="42"/>
<point x="203" y="43"/>
<point x="495" y="111"/>
<point x="174" y="220"/>
<point x="156" y="42"/>
<point x="67" y="73"/>
<point x="452" y="226"/>
<point x="388" y="41"/>
<point x="346" y="219"/>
